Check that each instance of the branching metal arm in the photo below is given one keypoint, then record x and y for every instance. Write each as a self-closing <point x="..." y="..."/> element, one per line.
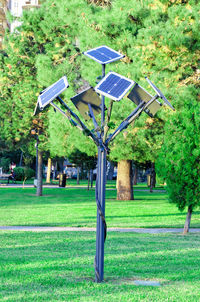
<point x="83" y="129"/>
<point x="82" y="125"/>
<point x="134" y="114"/>
<point x="106" y="127"/>
<point x="96" y="126"/>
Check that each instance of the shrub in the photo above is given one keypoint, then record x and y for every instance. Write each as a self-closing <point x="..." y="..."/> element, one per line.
<point x="22" y="173"/>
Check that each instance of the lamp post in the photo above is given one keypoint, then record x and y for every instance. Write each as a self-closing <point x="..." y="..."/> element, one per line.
<point x="115" y="87"/>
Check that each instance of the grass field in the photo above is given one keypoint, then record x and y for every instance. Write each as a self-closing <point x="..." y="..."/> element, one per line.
<point x="58" y="266"/>
<point x="77" y="207"/>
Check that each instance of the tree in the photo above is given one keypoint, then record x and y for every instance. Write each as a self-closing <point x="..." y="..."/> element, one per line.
<point x="160" y="40"/>
<point x="179" y="162"/>
<point x="36" y="55"/>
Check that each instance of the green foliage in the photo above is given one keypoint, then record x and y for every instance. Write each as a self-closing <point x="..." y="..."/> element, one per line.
<point x="4" y="163"/>
<point x="159" y="38"/>
<point x="22" y="173"/>
<point x="179" y="162"/>
<point x="81" y="159"/>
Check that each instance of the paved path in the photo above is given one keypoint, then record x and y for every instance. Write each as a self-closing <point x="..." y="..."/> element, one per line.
<point x="72" y="187"/>
<point x="86" y="229"/>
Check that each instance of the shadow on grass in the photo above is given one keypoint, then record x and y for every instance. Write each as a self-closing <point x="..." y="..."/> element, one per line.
<point x="37" y="260"/>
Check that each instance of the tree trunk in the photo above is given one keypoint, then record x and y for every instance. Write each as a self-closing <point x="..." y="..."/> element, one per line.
<point x="21" y="158"/>
<point x="124" y="180"/>
<point x="110" y="170"/>
<point x="91" y="178"/>
<point x="88" y="173"/>
<point x="61" y="165"/>
<point x="39" y="179"/>
<point x="135" y="176"/>
<point x="48" y="178"/>
<point x="187" y="221"/>
<point x="54" y="169"/>
<point x="152" y="177"/>
<point x="78" y="176"/>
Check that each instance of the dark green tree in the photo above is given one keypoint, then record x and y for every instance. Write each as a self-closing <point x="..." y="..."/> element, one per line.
<point x="179" y="162"/>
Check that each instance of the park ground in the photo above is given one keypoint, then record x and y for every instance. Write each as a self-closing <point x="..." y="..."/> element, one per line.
<point x="58" y="266"/>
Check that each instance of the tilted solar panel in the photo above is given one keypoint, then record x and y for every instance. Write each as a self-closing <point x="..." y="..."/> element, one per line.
<point x="139" y="94"/>
<point x="161" y="95"/>
<point x="114" y="86"/>
<point x="50" y="93"/>
<point x="103" y="54"/>
<point x="81" y="101"/>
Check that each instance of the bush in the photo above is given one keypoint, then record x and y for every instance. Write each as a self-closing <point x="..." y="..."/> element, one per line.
<point x="19" y="173"/>
<point x="22" y="173"/>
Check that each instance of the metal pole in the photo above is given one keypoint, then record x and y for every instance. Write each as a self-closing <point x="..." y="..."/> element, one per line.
<point x="100" y="195"/>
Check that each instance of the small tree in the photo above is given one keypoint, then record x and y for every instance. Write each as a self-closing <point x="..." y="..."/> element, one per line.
<point x="179" y="162"/>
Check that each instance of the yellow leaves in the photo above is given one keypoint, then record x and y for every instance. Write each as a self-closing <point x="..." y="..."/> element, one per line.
<point x="57" y="45"/>
<point x="72" y="58"/>
<point x="135" y="130"/>
<point x="126" y="59"/>
<point x="157" y="5"/>
<point x="149" y="120"/>
<point x="12" y="45"/>
<point x="193" y="79"/>
<point x="166" y="49"/>
<point x="176" y="21"/>
<point x="149" y="47"/>
<point x="56" y="57"/>
<point x="30" y="34"/>
<point x="188" y="7"/>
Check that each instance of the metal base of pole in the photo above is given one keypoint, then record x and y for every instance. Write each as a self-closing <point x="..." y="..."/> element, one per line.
<point x="101" y="224"/>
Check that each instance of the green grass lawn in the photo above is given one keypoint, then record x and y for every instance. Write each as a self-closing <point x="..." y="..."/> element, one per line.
<point x="58" y="266"/>
<point x="77" y="207"/>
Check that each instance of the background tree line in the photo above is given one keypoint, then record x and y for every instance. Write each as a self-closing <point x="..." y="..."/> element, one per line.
<point x="160" y="39"/>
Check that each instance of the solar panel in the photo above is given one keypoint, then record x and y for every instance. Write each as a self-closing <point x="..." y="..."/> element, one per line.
<point x="139" y="94"/>
<point x="50" y="93"/>
<point x="103" y="54"/>
<point x="114" y="86"/>
<point x="81" y="101"/>
<point x="161" y="95"/>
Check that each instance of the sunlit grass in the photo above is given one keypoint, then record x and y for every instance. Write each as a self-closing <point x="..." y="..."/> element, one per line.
<point x="77" y="207"/>
<point x="58" y="266"/>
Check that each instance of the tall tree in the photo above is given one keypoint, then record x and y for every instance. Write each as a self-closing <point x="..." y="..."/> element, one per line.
<point x="159" y="39"/>
<point x="46" y="41"/>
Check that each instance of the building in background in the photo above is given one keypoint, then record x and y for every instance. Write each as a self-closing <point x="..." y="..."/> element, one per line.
<point x="3" y="21"/>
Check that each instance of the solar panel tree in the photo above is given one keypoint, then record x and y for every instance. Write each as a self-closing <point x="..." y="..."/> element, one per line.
<point x="90" y="103"/>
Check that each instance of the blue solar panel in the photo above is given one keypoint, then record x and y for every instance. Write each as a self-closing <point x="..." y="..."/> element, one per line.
<point x="103" y="54"/>
<point x="52" y="92"/>
<point x="114" y="86"/>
